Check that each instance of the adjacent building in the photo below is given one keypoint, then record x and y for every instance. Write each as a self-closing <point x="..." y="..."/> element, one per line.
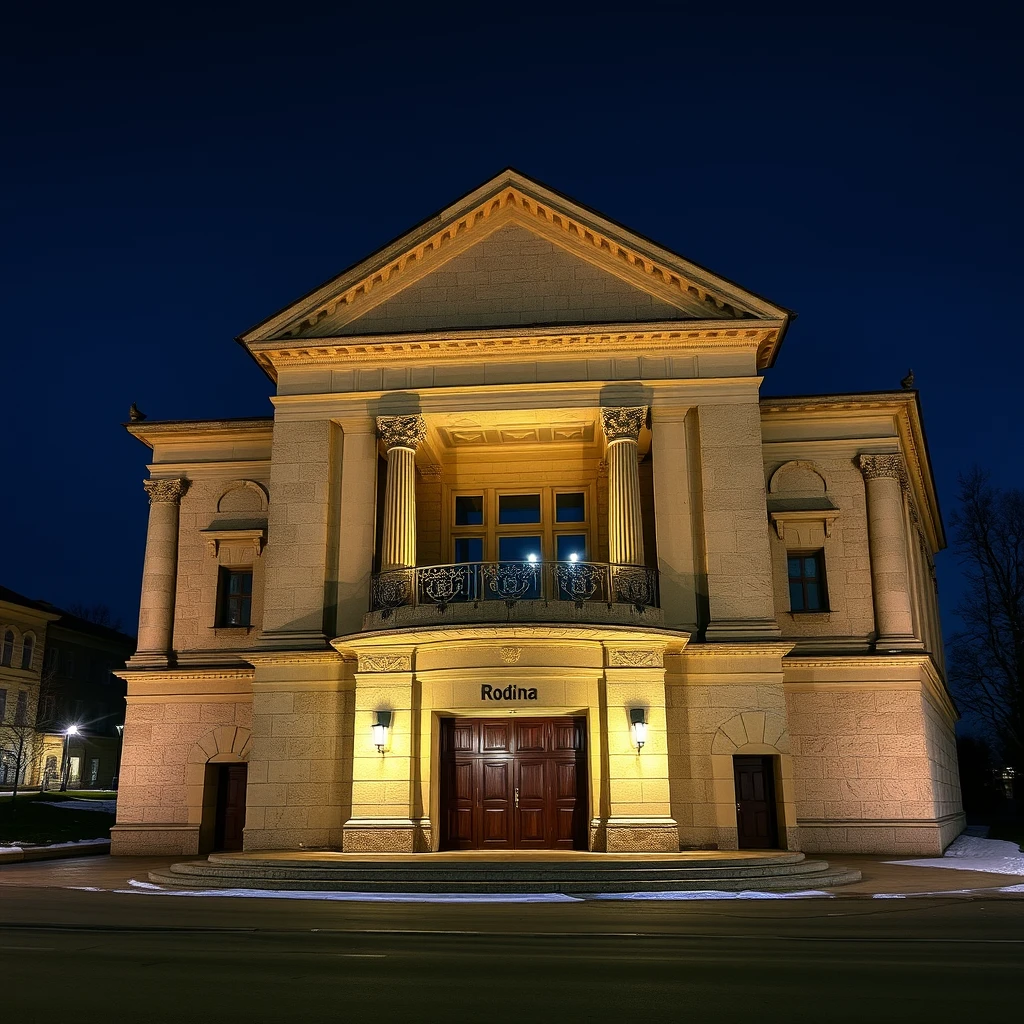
<point x="523" y="560"/>
<point x="57" y="670"/>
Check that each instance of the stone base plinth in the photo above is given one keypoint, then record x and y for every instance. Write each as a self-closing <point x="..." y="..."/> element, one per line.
<point x="641" y="835"/>
<point x="905" y="837"/>
<point x="152" y="840"/>
<point x="386" y="835"/>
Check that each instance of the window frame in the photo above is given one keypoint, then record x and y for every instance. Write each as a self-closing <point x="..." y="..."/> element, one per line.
<point x="818" y="554"/>
<point x="548" y="529"/>
<point x="224" y="574"/>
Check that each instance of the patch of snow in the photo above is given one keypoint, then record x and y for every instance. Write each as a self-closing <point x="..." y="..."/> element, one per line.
<point x="107" y="806"/>
<point x="712" y="894"/>
<point x="148" y="888"/>
<point x="1011" y="888"/>
<point x="973" y="853"/>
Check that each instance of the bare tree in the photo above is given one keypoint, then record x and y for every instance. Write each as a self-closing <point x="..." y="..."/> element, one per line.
<point x="987" y="654"/>
<point x="20" y="748"/>
<point x="100" y="614"/>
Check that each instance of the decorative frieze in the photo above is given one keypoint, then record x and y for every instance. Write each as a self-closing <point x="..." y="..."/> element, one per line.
<point x="165" y="490"/>
<point x="511" y="655"/>
<point x="623" y="424"/>
<point x="401" y="431"/>
<point x="632" y="658"/>
<point x="385" y="663"/>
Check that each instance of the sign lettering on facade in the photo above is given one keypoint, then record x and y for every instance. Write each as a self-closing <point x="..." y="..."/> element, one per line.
<point x="510" y="692"/>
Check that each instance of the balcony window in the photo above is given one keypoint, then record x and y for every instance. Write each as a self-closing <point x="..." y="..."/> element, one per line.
<point x="515" y="509"/>
<point x="469" y="549"/>
<point x="469" y="510"/>
<point x="570" y="507"/>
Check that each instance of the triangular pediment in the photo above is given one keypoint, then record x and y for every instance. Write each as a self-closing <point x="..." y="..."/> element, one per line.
<point x="513" y="253"/>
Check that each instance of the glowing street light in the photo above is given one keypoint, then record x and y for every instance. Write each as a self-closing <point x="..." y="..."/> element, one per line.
<point x="71" y="730"/>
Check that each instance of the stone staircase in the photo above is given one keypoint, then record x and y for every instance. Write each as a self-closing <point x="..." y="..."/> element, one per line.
<point x="441" y="873"/>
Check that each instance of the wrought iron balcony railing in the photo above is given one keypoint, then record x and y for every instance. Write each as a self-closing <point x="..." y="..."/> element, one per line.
<point x="513" y="582"/>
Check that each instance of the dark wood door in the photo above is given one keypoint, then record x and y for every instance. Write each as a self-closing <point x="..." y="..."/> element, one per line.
<point x="230" y="806"/>
<point x="755" y="803"/>
<point x="513" y="784"/>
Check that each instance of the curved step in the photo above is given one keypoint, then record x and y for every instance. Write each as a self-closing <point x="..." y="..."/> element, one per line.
<point x="571" y="886"/>
<point x="381" y="874"/>
<point x="580" y="875"/>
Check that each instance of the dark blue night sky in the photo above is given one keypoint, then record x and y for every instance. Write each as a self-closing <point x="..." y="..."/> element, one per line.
<point x="170" y="177"/>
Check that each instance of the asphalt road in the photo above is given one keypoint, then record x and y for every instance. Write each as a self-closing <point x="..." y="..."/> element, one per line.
<point x="100" y="956"/>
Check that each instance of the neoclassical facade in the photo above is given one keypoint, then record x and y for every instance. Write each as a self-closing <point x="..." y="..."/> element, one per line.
<point x="523" y="560"/>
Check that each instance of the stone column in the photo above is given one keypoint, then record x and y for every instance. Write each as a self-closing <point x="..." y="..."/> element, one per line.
<point x="890" y="573"/>
<point x="625" y="526"/>
<point x="401" y="435"/>
<point x="160" y="571"/>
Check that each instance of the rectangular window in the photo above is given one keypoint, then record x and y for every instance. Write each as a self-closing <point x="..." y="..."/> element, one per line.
<point x="469" y="549"/>
<point x="469" y="510"/>
<point x="518" y="508"/>
<point x="570" y="507"/>
<point x="21" y="709"/>
<point x="526" y="550"/>
<point x="235" y="597"/>
<point x="807" y="582"/>
<point x="571" y="547"/>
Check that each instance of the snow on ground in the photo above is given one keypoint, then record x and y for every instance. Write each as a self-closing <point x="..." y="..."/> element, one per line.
<point x="109" y="806"/>
<point x="711" y="894"/>
<point x="463" y="897"/>
<point x="971" y="853"/>
<point x="149" y="889"/>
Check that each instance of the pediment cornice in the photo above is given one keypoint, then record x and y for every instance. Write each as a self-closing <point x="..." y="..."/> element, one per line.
<point x="512" y="198"/>
<point x="583" y="340"/>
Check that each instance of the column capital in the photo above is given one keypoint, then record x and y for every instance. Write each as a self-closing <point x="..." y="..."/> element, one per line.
<point x="165" y="490"/>
<point x="875" y="466"/>
<point x="401" y="431"/>
<point x="623" y="424"/>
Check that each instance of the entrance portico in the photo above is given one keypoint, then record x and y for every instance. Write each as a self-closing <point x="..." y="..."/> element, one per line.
<point x="591" y="674"/>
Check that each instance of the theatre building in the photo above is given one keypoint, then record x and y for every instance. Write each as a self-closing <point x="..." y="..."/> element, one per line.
<point x="522" y="560"/>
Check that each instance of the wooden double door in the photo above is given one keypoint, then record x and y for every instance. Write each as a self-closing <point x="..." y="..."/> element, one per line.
<point x="513" y="784"/>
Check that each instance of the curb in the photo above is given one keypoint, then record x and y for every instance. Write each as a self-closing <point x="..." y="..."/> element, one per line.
<point x="17" y="854"/>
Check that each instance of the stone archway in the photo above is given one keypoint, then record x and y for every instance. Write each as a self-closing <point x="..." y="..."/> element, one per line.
<point x="225" y="745"/>
<point x="755" y="732"/>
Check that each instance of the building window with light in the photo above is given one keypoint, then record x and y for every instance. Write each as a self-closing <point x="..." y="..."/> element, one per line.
<point x="807" y="592"/>
<point x="235" y="600"/>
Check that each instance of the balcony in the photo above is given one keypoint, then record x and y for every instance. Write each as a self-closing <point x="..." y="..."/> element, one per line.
<point x="571" y="592"/>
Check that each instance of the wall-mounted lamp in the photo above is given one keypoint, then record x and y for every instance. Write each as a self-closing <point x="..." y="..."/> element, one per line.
<point x="638" y="723"/>
<point x="381" y="725"/>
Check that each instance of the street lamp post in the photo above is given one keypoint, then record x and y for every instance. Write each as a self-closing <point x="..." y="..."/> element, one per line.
<point x="71" y="730"/>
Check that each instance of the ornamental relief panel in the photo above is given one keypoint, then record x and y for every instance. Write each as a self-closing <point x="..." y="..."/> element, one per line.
<point x="635" y="659"/>
<point x="385" y="663"/>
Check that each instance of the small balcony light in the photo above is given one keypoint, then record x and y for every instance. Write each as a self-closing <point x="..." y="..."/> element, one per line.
<point x="574" y="557"/>
<point x="638" y="724"/>
<point x="381" y="726"/>
<point x="531" y="557"/>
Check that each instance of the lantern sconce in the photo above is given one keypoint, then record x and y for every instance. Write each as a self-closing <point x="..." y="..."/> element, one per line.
<point x="381" y="727"/>
<point x="638" y="724"/>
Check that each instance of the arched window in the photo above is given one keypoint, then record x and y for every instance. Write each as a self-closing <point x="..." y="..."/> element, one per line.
<point x="8" y="654"/>
<point x="26" y="651"/>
